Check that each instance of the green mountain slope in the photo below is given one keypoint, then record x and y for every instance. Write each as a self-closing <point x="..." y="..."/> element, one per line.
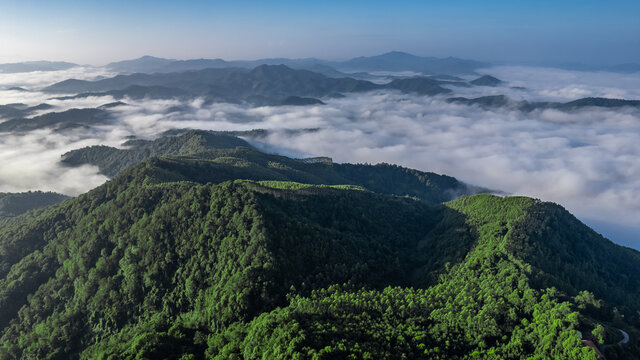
<point x="14" y="204"/>
<point x="175" y="259"/>
<point x="211" y="156"/>
<point x="112" y="160"/>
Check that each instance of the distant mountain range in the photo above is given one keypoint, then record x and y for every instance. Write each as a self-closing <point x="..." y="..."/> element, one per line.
<point x="73" y="118"/>
<point x="11" y="111"/>
<point x="394" y="61"/>
<point x="274" y="85"/>
<point x="358" y="67"/>
<point x="575" y="66"/>
<point x="263" y="85"/>
<point x="502" y="101"/>
<point x="29" y="66"/>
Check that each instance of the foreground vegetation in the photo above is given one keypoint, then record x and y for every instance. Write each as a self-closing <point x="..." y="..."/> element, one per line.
<point x="183" y="258"/>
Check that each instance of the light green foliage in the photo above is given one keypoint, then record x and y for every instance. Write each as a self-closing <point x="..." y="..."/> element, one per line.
<point x="159" y="263"/>
<point x="599" y="334"/>
<point x="291" y="185"/>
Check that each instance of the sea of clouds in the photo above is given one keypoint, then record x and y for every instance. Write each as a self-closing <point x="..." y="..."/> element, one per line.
<point x="587" y="160"/>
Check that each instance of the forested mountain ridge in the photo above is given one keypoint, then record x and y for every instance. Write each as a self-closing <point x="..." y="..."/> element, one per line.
<point x="11" y="111"/>
<point x="214" y="156"/>
<point x="14" y="204"/>
<point x="263" y="85"/>
<point x="67" y="119"/>
<point x="391" y="61"/>
<point x="112" y="160"/>
<point x="502" y="101"/>
<point x="180" y="257"/>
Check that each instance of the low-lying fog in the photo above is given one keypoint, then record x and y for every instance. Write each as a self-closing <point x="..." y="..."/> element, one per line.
<point x="587" y="160"/>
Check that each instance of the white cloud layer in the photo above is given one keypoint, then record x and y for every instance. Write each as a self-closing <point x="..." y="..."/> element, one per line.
<point x="586" y="161"/>
<point x="548" y="84"/>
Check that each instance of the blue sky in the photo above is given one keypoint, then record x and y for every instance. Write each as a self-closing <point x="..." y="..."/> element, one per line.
<point x="596" y="32"/>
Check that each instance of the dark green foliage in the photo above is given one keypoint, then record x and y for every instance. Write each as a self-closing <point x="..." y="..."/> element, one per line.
<point x="217" y="157"/>
<point x="224" y="253"/>
<point x="175" y="259"/>
<point x="14" y="204"/>
<point x="111" y="160"/>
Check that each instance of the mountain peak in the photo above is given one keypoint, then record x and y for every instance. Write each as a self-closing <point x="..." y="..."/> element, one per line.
<point x="486" y="80"/>
<point x="278" y="70"/>
<point x="149" y="57"/>
<point x="398" y="54"/>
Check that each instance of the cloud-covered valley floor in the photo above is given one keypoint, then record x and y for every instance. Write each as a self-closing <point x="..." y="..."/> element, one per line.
<point x="586" y="160"/>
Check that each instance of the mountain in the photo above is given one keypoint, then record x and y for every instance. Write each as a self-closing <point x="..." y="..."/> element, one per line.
<point x="502" y="101"/>
<point x="11" y="111"/>
<point x="486" y="80"/>
<point x="14" y="204"/>
<point x="111" y="160"/>
<point x="30" y="66"/>
<point x="400" y="61"/>
<point x="300" y="101"/>
<point x="419" y="85"/>
<point x="226" y="157"/>
<point x="597" y="102"/>
<point x="491" y="101"/>
<point x="150" y="64"/>
<point x="111" y="105"/>
<point x="626" y="68"/>
<point x="135" y="92"/>
<point x="59" y="120"/>
<point x="394" y="61"/>
<point x="143" y="64"/>
<point x="263" y="85"/>
<point x="180" y="257"/>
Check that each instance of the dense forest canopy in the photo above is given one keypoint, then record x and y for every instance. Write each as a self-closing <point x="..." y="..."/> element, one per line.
<point x="229" y="253"/>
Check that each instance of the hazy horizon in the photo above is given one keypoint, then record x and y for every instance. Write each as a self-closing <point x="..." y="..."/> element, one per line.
<point x="588" y="32"/>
